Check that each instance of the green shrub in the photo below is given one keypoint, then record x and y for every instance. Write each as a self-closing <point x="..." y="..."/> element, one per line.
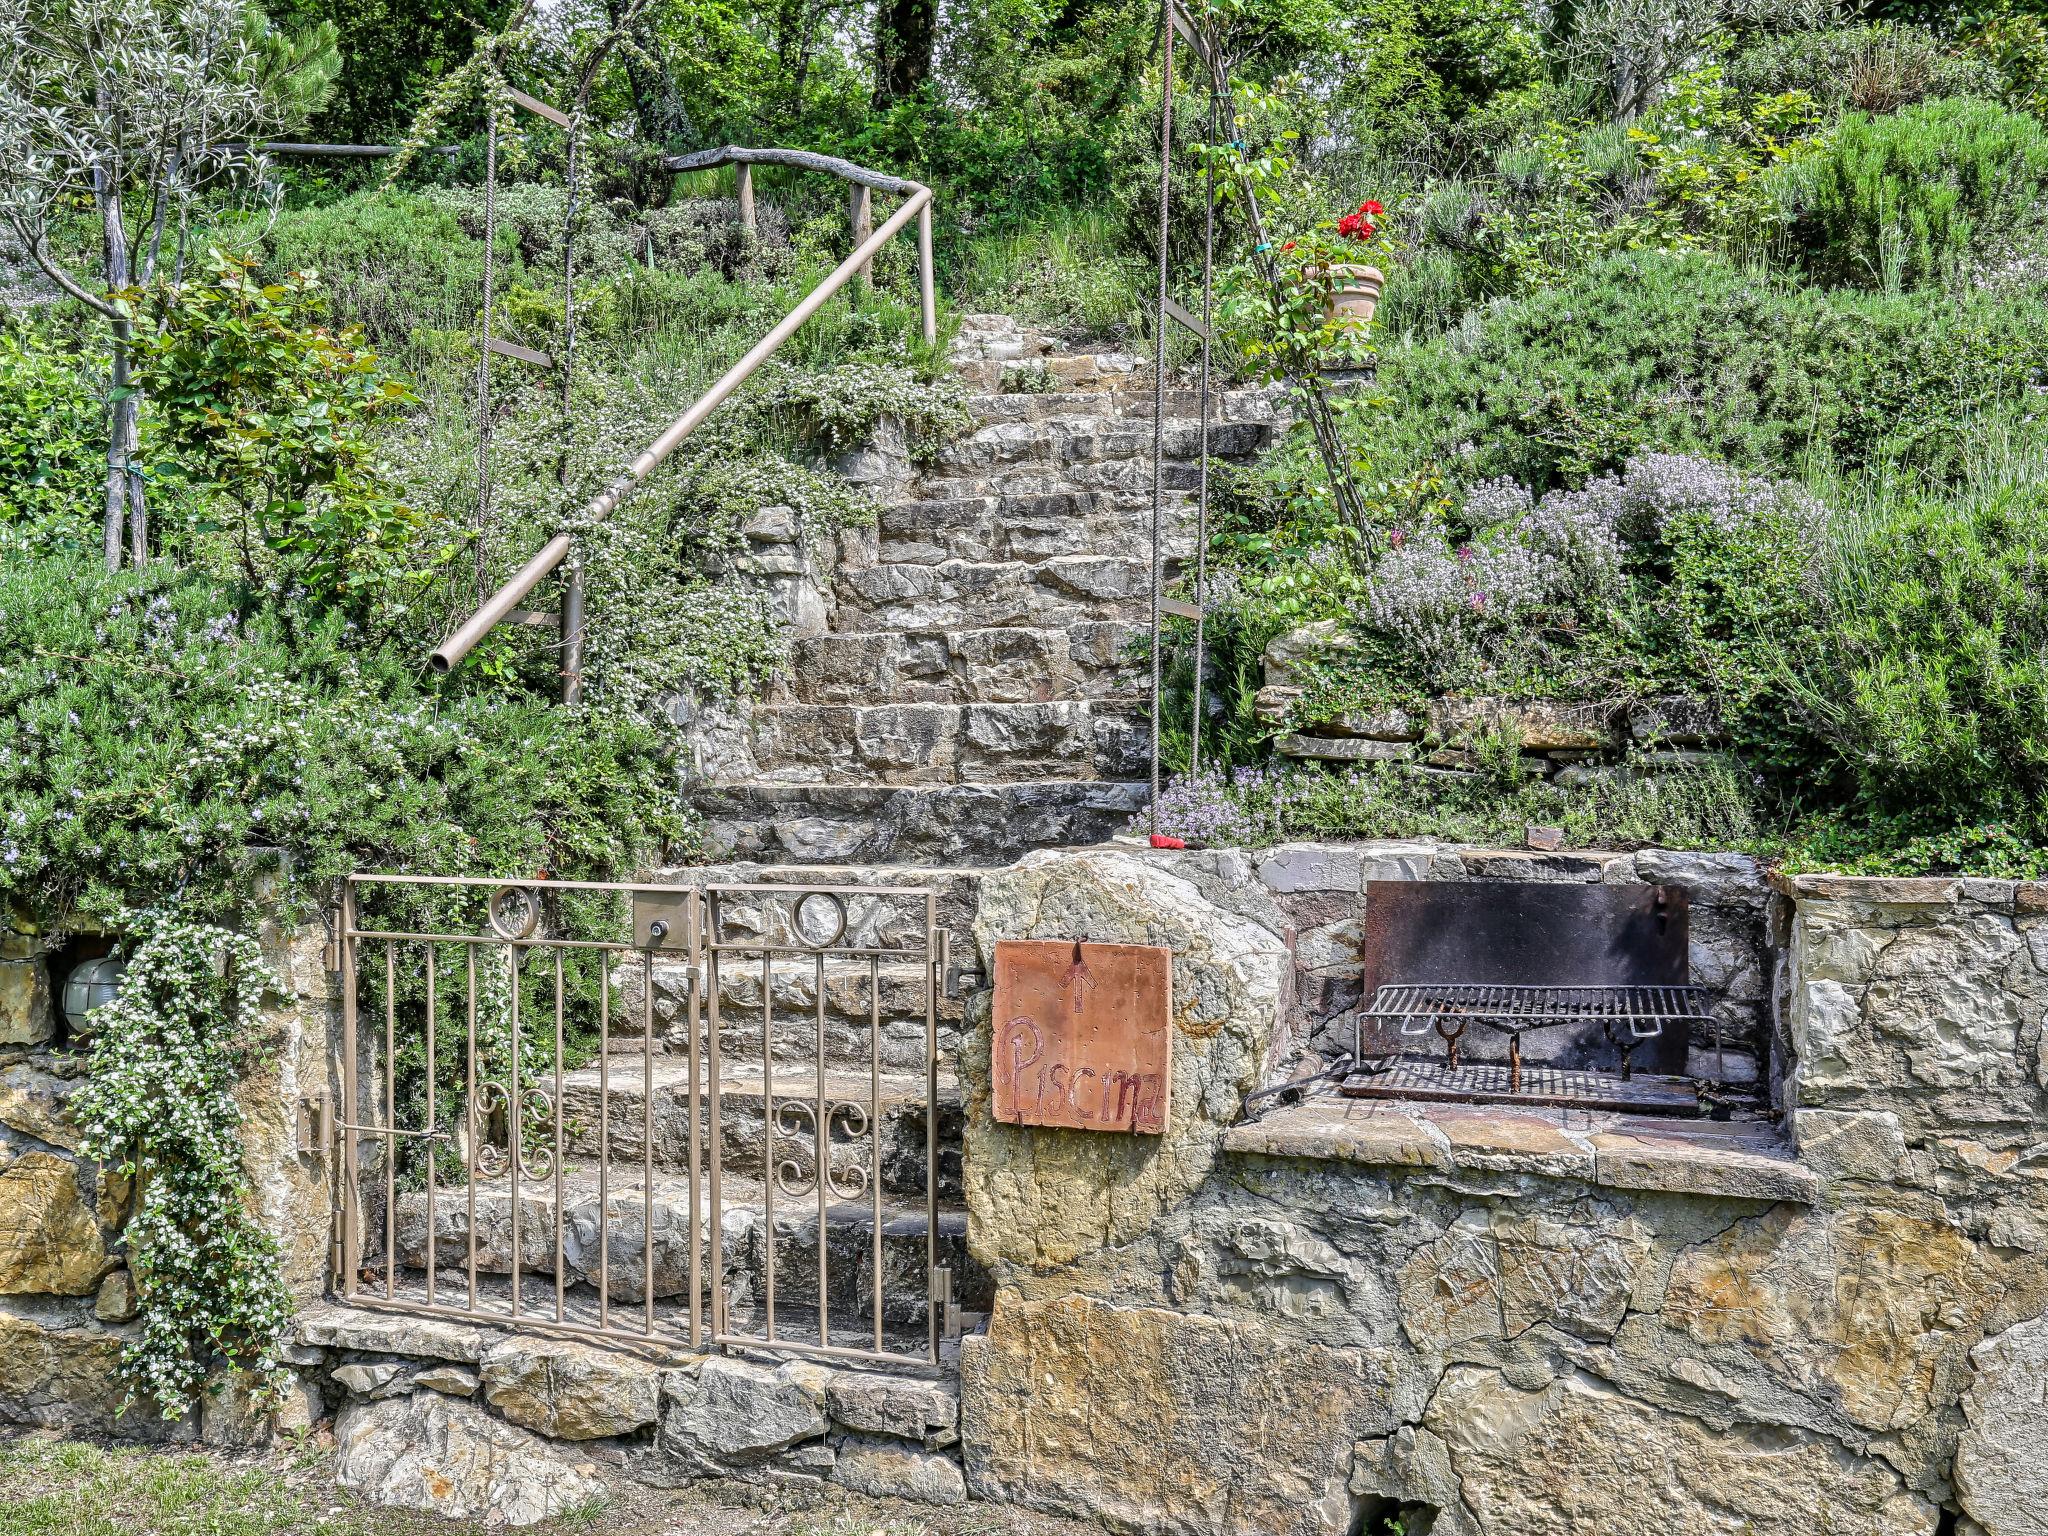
<point x="1711" y="806"/>
<point x="1868" y="67"/>
<point x="270" y="412"/>
<point x="53" y="456"/>
<point x="155" y="734"/>
<point x="1688" y="352"/>
<point x="391" y="260"/>
<point x="1906" y="199"/>
<point x="1927" y="682"/>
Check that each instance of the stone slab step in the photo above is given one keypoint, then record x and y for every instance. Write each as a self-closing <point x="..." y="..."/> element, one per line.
<point x="1131" y="477"/>
<point x="980" y="824"/>
<point x="1003" y="664"/>
<point x="859" y="1027"/>
<point x="1096" y="440"/>
<point x="963" y="594"/>
<point x="1127" y="402"/>
<point x="942" y="743"/>
<point x="1032" y="529"/>
<point x="893" y="1141"/>
<point x="621" y="1259"/>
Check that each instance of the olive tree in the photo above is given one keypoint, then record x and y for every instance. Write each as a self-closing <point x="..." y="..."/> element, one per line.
<point x="133" y="109"/>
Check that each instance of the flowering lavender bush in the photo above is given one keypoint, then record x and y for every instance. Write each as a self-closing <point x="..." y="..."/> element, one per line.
<point x="1212" y="807"/>
<point x="1465" y="595"/>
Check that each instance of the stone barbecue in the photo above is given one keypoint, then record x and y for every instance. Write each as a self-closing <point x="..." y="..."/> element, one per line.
<point x="1527" y="992"/>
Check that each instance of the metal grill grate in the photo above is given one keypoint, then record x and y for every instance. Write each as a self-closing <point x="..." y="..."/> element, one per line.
<point x="1643" y="1011"/>
<point x="1626" y="1015"/>
<point x="1495" y="1082"/>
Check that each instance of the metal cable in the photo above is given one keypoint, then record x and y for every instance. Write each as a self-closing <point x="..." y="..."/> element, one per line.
<point x="1202" y="449"/>
<point x="573" y="593"/>
<point x="483" y="361"/>
<point x="1158" y="571"/>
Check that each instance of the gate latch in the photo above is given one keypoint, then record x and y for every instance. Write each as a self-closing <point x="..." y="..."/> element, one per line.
<point x="661" y="919"/>
<point x="316" y="1125"/>
<point x="943" y="1300"/>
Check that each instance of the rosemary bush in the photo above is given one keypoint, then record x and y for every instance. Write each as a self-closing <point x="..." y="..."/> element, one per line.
<point x="159" y="1109"/>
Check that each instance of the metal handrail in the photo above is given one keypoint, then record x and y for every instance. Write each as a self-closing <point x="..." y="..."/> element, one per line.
<point x="916" y="205"/>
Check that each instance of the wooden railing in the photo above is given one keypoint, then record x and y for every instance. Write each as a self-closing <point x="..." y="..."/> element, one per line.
<point x="917" y="204"/>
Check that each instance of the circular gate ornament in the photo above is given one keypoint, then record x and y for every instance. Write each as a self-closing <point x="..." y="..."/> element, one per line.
<point x="515" y="912"/>
<point x="819" y="918"/>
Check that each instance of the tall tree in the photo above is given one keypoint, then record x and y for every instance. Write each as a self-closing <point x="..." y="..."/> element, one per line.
<point x="131" y="107"/>
<point x="905" y="31"/>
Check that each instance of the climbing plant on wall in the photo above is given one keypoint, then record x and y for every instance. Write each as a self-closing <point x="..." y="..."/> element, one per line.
<point x="159" y="1109"/>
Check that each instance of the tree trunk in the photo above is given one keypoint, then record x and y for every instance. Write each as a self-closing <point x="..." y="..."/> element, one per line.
<point x="656" y="106"/>
<point x="124" y="509"/>
<point x="903" y="48"/>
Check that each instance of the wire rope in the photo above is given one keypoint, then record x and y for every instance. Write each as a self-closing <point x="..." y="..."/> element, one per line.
<point x="1158" y="568"/>
<point x="483" y="362"/>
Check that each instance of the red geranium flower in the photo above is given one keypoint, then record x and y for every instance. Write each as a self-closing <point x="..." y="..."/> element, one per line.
<point x="1369" y="206"/>
<point x="1288" y="246"/>
<point x="1350" y="225"/>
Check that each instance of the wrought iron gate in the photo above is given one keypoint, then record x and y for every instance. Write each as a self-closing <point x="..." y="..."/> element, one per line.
<point x="685" y="1117"/>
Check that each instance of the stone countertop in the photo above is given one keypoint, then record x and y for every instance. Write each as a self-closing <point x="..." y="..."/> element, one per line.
<point x="1743" y="1160"/>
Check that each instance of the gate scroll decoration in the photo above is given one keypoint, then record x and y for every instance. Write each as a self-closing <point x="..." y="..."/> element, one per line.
<point x="639" y="1112"/>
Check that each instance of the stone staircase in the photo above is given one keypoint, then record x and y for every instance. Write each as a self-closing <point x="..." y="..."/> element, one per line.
<point x="961" y="692"/>
<point x="969" y="695"/>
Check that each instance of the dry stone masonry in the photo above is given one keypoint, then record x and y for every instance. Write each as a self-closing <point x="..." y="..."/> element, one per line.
<point x="1503" y="1321"/>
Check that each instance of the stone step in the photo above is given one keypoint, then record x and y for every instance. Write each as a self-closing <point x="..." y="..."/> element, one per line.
<point x="1095" y="440"/>
<point x="998" y="361"/>
<point x="999" y="665"/>
<point x="942" y="743"/>
<point x="893" y="1143"/>
<point x="999" y="594"/>
<point x="859" y="1028"/>
<point x="1032" y="529"/>
<point x="1127" y="402"/>
<point x="621" y="1260"/>
<point x="978" y="824"/>
<point x="1130" y="477"/>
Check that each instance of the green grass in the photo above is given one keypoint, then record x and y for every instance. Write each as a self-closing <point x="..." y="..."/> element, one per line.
<point x="51" y="1487"/>
<point x="1072" y="272"/>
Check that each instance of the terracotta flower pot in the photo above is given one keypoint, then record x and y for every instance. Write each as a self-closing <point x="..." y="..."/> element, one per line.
<point x="1354" y="293"/>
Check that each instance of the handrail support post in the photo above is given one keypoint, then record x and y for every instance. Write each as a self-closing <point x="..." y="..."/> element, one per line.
<point x="572" y="632"/>
<point x="862" y="218"/>
<point x="746" y="193"/>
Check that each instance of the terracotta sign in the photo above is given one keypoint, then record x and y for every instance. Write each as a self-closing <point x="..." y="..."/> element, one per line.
<point x="1083" y="1034"/>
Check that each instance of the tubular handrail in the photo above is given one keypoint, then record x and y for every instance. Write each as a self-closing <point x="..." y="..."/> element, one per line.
<point x="917" y="205"/>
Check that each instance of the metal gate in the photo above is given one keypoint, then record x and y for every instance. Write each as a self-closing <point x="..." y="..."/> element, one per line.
<point x="684" y="1117"/>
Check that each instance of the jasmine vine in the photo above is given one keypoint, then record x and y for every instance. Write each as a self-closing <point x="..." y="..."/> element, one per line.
<point x="159" y="1108"/>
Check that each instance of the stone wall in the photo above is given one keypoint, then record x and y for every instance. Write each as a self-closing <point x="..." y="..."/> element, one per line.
<point x="1568" y="742"/>
<point x="1828" y="1315"/>
<point x="1532" y="1321"/>
<point x="66" y="1296"/>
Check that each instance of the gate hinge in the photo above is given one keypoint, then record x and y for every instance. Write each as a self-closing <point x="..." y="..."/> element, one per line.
<point x="943" y="1300"/>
